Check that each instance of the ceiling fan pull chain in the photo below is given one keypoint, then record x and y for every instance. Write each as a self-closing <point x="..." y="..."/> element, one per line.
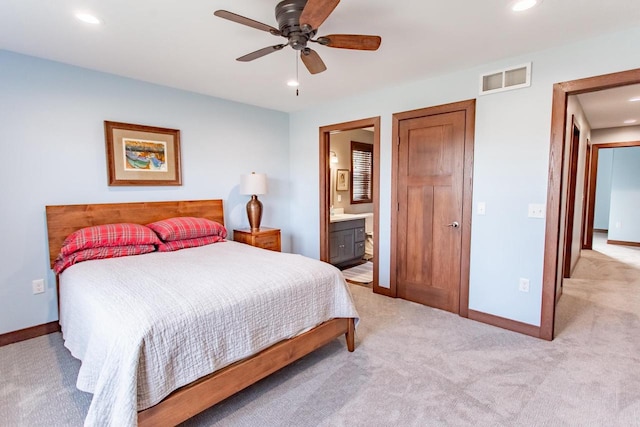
<point x="297" y="73"/>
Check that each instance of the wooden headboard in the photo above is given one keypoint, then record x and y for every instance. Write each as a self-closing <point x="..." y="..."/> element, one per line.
<point x="63" y="220"/>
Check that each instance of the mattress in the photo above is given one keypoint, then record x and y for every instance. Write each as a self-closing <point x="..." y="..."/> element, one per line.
<point x="146" y="325"/>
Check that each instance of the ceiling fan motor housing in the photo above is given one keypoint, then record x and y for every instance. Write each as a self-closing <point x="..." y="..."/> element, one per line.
<point x="288" y="17"/>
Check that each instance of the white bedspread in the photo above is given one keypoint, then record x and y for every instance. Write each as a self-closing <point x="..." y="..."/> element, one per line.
<point x="148" y="324"/>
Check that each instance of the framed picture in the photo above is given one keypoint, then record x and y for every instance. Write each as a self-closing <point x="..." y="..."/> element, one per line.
<point x="142" y="155"/>
<point x="342" y="180"/>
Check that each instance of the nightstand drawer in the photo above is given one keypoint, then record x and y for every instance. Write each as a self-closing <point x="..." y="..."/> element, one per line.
<point x="271" y="242"/>
<point x="265" y="238"/>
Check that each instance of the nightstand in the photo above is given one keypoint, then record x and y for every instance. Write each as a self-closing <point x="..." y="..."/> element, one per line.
<point x="265" y="238"/>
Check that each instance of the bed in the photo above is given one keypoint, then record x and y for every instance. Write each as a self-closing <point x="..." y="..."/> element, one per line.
<point x="167" y="369"/>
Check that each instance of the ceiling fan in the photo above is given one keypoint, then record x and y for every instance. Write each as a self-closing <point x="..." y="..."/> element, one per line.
<point x="298" y="21"/>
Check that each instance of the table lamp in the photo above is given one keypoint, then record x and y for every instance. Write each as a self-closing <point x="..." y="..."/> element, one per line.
<point x="254" y="184"/>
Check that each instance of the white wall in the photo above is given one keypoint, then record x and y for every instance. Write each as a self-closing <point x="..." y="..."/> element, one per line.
<point x="624" y="225"/>
<point x="603" y="190"/>
<point x="53" y="152"/>
<point x="510" y="170"/>
<point x="619" y="134"/>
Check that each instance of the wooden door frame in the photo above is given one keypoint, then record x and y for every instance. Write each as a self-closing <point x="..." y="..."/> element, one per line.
<point x="593" y="178"/>
<point x="469" y="107"/>
<point x="325" y="195"/>
<point x="586" y="196"/>
<point x="561" y="91"/>
<point x="572" y="182"/>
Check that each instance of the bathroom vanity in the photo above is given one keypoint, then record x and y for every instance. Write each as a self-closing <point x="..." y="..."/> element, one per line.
<point x="347" y="236"/>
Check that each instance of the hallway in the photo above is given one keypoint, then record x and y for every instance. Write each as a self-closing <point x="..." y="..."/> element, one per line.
<point x="602" y="299"/>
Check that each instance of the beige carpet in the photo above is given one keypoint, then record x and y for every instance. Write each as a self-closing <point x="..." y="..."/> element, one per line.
<point x="413" y="366"/>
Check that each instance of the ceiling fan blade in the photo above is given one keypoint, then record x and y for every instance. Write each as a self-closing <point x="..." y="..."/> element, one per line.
<point x="351" y="41"/>
<point x="312" y="61"/>
<point x="246" y="21"/>
<point x="315" y="12"/>
<point x="260" y="53"/>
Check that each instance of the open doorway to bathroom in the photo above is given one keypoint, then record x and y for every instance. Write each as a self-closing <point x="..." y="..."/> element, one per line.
<point x="349" y="199"/>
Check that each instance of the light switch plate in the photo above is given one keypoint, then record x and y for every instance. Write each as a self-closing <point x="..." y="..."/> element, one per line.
<point x="536" y="210"/>
<point x="482" y="208"/>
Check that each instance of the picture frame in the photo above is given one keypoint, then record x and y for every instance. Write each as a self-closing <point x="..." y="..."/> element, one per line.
<point x="342" y="180"/>
<point x="139" y="155"/>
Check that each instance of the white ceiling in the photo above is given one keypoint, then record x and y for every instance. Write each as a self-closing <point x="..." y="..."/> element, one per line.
<point x="181" y="44"/>
<point x="610" y="108"/>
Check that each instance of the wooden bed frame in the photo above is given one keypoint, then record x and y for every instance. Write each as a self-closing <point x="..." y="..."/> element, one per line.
<point x="193" y="398"/>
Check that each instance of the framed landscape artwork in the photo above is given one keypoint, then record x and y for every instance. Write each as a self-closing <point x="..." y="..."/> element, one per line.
<point x="142" y="155"/>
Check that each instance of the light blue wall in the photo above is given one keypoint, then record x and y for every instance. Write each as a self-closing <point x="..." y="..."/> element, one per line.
<point x="53" y="152"/>
<point x="510" y="169"/>
<point x="51" y="118"/>
<point x="603" y="189"/>
<point x="624" y="224"/>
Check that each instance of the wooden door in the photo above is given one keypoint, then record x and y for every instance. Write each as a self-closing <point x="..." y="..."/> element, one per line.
<point x="571" y="200"/>
<point x="429" y="191"/>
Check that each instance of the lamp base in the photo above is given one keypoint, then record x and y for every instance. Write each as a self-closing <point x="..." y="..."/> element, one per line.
<point x="254" y="212"/>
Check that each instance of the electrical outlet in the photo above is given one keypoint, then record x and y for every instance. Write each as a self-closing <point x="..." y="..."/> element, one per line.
<point x="339" y="197"/>
<point x="38" y="286"/>
<point x="523" y="286"/>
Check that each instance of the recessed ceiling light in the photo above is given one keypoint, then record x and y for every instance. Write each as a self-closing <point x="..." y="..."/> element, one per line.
<point x="635" y="99"/>
<point x="293" y="83"/>
<point x="520" y="5"/>
<point x="630" y="121"/>
<point x="87" y="18"/>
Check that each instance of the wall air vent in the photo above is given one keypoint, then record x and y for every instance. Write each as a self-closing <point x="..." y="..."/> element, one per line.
<point x="506" y="79"/>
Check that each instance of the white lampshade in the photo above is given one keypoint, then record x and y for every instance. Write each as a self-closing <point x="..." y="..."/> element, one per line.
<point x="256" y="183"/>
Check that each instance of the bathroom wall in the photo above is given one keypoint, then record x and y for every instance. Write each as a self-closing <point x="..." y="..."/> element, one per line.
<point x="340" y="143"/>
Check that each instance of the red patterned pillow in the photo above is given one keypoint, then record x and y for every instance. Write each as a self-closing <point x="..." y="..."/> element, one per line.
<point x="186" y="227"/>
<point x="175" y="245"/>
<point x="107" y="235"/>
<point x="65" y="261"/>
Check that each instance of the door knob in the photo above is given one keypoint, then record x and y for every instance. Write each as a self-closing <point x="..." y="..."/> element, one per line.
<point x="454" y="224"/>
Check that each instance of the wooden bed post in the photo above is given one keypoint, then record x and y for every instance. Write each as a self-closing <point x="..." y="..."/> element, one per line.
<point x="351" y="335"/>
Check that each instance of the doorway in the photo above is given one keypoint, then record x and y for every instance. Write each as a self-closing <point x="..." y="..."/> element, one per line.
<point x="338" y="183"/>
<point x="432" y="164"/>
<point x="554" y="245"/>
<point x="590" y="205"/>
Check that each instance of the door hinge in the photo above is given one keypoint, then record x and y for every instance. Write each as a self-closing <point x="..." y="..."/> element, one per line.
<point x="398" y="207"/>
